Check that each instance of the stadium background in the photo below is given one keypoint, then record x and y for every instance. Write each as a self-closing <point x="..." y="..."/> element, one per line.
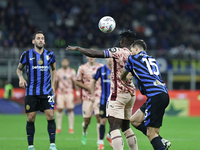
<point x="171" y="29"/>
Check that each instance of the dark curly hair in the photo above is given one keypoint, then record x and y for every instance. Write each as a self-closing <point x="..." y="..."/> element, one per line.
<point x="128" y="35"/>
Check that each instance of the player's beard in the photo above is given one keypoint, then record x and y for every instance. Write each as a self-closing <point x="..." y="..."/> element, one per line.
<point x="39" y="47"/>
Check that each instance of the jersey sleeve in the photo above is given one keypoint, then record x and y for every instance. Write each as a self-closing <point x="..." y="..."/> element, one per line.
<point x="111" y="52"/>
<point x="128" y="65"/>
<point x="53" y="59"/>
<point x="79" y="74"/>
<point x="97" y="74"/>
<point x="22" y="59"/>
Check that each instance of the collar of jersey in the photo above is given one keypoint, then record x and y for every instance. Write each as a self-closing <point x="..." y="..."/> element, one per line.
<point x="142" y="52"/>
<point x="37" y="52"/>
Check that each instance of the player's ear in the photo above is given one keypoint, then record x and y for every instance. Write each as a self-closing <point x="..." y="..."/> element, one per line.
<point x="136" y="48"/>
<point x="33" y="41"/>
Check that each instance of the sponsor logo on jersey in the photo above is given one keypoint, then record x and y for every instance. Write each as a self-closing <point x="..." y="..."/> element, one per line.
<point x="106" y="80"/>
<point x="42" y="68"/>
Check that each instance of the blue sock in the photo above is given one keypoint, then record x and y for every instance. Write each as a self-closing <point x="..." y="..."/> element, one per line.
<point x="52" y="130"/>
<point x="102" y="131"/>
<point x="157" y="144"/>
<point x="30" y="131"/>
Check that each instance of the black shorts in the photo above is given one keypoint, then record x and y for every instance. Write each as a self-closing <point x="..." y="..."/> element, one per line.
<point x="102" y="111"/>
<point x="155" y="109"/>
<point x="143" y="107"/>
<point x="38" y="102"/>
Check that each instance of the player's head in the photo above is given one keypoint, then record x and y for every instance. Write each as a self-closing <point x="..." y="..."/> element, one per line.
<point x="65" y="63"/>
<point x="91" y="60"/>
<point x="138" y="46"/>
<point x="38" y="39"/>
<point x="127" y="38"/>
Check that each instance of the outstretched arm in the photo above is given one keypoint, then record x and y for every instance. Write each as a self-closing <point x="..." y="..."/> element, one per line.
<point x="87" y="52"/>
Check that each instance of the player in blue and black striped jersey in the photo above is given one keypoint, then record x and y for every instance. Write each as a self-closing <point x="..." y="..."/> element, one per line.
<point x="146" y="72"/>
<point x="41" y="72"/>
<point x="103" y="73"/>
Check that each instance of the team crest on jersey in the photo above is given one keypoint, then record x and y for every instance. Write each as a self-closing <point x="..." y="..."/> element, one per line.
<point x="47" y="57"/>
<point x="40" y="62"/>
<point x="113" y="50"/>
<point x="109" y="76"/>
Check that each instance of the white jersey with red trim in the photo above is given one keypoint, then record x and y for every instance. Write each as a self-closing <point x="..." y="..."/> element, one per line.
<point x="120" y="56"/>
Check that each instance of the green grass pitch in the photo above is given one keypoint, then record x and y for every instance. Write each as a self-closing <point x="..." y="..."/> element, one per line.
<point x="183" y="132"/>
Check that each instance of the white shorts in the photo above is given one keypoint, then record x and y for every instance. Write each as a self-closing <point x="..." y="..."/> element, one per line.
<point x="65" y="101"/>
<point x="121" y="107"/>
<point x="88" y="107"/>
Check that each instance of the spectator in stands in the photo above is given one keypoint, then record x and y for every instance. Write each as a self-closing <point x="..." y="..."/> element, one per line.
<point x="15" y="25"/>
<point x="162" y="25"/>
<point x="8" y="90"/>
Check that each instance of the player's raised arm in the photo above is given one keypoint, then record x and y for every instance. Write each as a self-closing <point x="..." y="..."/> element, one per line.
<point x="87" y="52"/>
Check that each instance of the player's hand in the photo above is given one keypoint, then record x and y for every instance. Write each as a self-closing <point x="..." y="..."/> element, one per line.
<point x="22" y="83"/>
<point x="93" y="98"/>
<point x="129" y="77"/>
<point x="73" y="48"/>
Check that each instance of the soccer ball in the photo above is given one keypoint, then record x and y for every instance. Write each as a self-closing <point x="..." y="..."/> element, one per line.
<point x="107" y="24"/>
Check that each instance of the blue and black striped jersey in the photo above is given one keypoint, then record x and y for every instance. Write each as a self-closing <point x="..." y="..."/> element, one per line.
<point x="38" y="71"/>
<point x="103" y="73"/>
<point x="145" y="70"/>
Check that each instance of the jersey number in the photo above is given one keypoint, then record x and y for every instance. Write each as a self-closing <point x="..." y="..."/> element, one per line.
<point x="50" y="99"/>
<point x="151" y="62"/>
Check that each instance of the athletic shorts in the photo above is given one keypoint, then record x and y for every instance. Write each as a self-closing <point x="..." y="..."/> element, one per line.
<point x="88" y="107"/>
<point x="121" y="107"/>
<point x="65" y="101"/>
<point x="102" y="112"/>
<point x="37" y="102"/>
<point x="155" y="109"/>
<point x="143" y="107"/>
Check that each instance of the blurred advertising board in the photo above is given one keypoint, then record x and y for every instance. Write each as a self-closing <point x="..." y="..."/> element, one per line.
<point x="182" y="102"/>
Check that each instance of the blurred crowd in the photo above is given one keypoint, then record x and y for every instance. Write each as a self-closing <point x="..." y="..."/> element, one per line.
<point x="167" y="26"/>
<point x="16" y="28"/>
